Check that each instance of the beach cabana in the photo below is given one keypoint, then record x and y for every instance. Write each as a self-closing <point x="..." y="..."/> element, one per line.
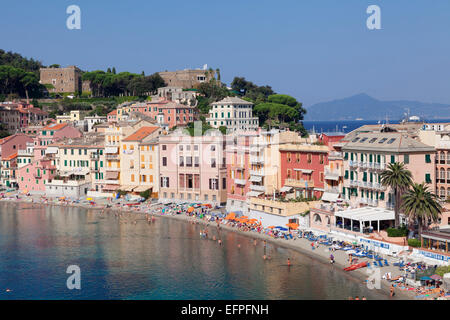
<point x="360" y="218"/>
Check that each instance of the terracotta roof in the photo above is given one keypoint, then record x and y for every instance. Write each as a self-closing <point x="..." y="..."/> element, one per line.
<point x="141" y="133"/>
<point x="112" y="113"/>
<point x="55" y="126"/>
<point x="14" y="155"/>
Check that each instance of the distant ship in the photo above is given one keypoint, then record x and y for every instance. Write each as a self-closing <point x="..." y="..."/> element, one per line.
<point x="359" y="119"/>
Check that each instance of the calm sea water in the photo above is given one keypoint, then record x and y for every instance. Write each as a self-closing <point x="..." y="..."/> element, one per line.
<point x="346" y="126"/>
<point x="164" y="260"/>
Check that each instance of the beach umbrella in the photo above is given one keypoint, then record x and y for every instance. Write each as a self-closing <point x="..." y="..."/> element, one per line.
<point x="244" y="217"/>
<point x="292" y="225"/>
<point x="436" y="277"/>
<point x="89" y="199"/>
<point x="231" y="216"/>
<point x="281" y="228"/>
<point x="252" y="221"/>
<point x="190" y="209"/>
<point x="425" y="278"/>
<point x="271" y="227"/>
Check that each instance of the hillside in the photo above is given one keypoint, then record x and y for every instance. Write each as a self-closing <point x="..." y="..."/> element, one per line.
<point x="368" y="108"/>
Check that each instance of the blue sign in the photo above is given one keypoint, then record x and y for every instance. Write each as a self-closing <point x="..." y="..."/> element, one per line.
<point x="433" y="255"/>
<point x="376" y="243"/>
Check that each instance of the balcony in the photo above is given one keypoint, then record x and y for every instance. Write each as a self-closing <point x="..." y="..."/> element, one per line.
<point x="333" y="190"/>
<point x="335" y="155"/>
<point x="257" y="188"/>
<point x="240" y="181"/>
<point x="299" y="183"/>
<point x="353" y="164"/>
<point x="257" y="172"/>
<point x="94" y="156"/>
<point x="112" y="157"/>
<point x="37" y="176"/>
<point x="256" y="159"/>
<point x="354" y="183"/>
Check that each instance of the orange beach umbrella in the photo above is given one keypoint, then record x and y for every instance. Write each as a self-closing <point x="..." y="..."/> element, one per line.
<point x="190" y="209"/>
<point x="231" y="216"/>
<point x="271" y="227"/>
<point x="292" y="225"/>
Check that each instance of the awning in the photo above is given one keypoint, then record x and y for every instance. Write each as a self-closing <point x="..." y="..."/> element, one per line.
<point x="331" y="197"/>
<point x="142" y="188"/>
<point x="330" y="177"/>
<point x="255" y="179"/>
<point x="253" y="193"/>
<point x="285" y="189"/>
<point x="51" y="150"/>
<point x="307" y="171"/>
<point x="127" y="188"/>
<point x="111" y="150"/>
<point x="366" y="214"/>
<point x="110" y="187"/>
<point x="112" y="175"/>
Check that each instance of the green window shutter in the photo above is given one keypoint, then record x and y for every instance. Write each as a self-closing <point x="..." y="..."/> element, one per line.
<point x="382" y="196"/>
<point x="343" y="191"/>
<point x="362" y="157"/>
<point x="351" y="156"/>
<point x="101" y="164"/>
<point x="371" y="177"/>
<point x="428" y="158"/>
<point x="346" y="174"/>
<point x="346" y="156"/>
<point x="370" y="158"/>
<point x="365" y="176"/>
<point x="65" y="163"/>
<point x="351" y="175"/>
<point x="376" y="195"/>
<point x="428" y="178"/>
<point x="65" y="151"/>
<point x="406" y="159"/>
<point x="379" y="158"/>
<point x="392" y="159"/>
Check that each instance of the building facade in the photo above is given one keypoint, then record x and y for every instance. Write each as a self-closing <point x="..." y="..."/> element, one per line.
<point x="233" y="113"/>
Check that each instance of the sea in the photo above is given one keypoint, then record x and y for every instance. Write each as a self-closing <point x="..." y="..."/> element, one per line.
<point x="347" y="126"/>
<point x="166" y="259"/>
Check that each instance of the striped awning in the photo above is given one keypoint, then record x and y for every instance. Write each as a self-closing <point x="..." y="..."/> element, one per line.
<point x="127" y="188"/>
<point x="253" y="193"/>
<point x="112" y="175"/>
<point x="255" y="179"/>
<point x="285" y="189"/>
<point x="110" y="187"/>
<point x="142" y="188"/>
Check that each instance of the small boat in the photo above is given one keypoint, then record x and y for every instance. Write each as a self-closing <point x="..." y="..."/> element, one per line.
<point x="133" y="204"/>
<point x="356" y="266"/>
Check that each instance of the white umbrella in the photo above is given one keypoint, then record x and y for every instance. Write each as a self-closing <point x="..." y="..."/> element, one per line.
<point x="351" y="251"/>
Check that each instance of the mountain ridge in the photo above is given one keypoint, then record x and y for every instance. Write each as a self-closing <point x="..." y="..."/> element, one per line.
<point x="363" y="106"/>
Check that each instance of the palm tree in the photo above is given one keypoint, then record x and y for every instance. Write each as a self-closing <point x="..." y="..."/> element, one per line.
<point x="422" y="205"/>
<point x="398" y="178"/>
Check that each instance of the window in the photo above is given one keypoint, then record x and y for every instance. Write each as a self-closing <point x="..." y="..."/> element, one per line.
<point x="188" y="161"/>
<point x="406" y="159"/>
<point x="355" y="140"/>
<point x="382" y="140"/>
<point x="428" y="178"/>
<point x="164" y="161"/>
<point x="164" y="147"/>
<point x="428" y="158"/>
<point x="392" y="159"/>
<point x="372" y="140"/>
<point x="391" y="141"/>
<point x="213" y="163"/>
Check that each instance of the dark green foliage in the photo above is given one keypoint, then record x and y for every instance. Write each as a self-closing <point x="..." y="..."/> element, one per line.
<point x="397" y="232"/>
<point x="414" y="243"/>
<point x="146" y="194"/>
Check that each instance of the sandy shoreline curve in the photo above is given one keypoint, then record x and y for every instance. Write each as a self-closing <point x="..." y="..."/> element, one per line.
<point x="302" y="246"/>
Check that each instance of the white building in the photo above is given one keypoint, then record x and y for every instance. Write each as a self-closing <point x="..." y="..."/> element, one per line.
<point x="67" y="188"/>
<point x="233" y="113"/>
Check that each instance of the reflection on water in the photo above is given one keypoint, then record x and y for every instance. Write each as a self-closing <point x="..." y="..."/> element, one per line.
<point x="163" y="260"/>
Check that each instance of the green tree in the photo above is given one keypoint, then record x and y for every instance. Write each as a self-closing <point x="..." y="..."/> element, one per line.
<point x="421" y="205"/>
<point x="398" y="178"/>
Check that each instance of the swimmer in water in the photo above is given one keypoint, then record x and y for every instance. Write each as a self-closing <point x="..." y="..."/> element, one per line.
<point x="239" y="245"/>
<point x="289" y="262"/>
<point x="220" y="242"/>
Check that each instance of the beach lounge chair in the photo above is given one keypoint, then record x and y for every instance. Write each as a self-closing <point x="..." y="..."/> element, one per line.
<point x="386" y="263"/>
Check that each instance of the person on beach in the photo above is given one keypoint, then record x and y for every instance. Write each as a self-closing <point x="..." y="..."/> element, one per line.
<point x="289" y="262"/>
<point x="312" y="245"/>
<point x="254" y="242"/>
<point x="331" y="259"/>
<point x="392" y="290"/>
<point x="364" y="298"/>
<point x="220" y="242"/>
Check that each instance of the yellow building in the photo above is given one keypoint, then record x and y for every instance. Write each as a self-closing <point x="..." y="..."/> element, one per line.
<point x="140" y="161"/>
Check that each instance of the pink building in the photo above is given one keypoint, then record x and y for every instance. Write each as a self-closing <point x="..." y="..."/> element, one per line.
<point x="166" y="113"/>
<point x="238" y="171"/>
<point x="193" y="169"/>
<point x="52" y="133"/>
<point x="33" y="177"/>
<point x="13" y="143"/>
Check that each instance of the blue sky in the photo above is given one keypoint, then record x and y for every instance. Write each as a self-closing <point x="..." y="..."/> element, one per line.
<point x="315" y="50"/>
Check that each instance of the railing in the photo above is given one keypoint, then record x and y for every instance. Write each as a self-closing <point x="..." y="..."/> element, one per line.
<point x="335" y="173"/>
<point x="240" y="181"/>
<point x="353" y="163"/>
<point x="94" y="156"/>
<point x="333" y="190"/>
<point x="354" y="183"/>
<point x="257" y="172"/>
<point x="257" y="187"/>
<point x="112" y="156"/>
<point x="335" y="154"/>
<point x="255" y="159"/>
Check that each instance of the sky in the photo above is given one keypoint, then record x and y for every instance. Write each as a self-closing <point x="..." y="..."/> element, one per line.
<point x="314" y="50"/>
